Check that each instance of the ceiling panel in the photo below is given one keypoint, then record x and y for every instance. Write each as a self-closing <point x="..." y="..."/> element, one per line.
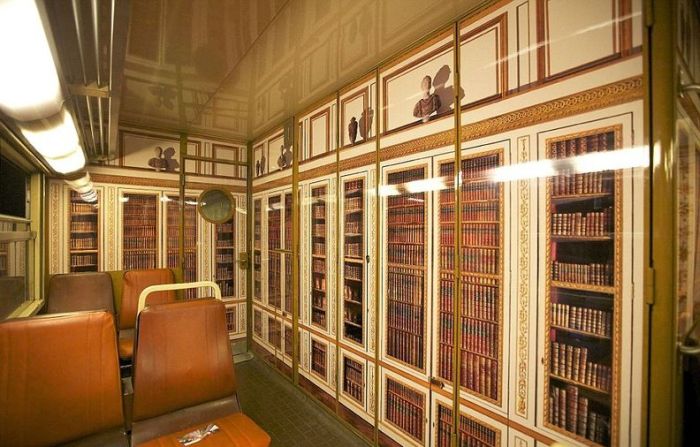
<point x="234" y="68"/>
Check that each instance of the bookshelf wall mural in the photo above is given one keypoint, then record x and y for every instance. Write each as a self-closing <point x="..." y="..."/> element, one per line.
<point x="494" y="292"/>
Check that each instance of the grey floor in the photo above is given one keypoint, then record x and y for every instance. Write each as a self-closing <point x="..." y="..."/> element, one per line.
<point x="288" y="415"/>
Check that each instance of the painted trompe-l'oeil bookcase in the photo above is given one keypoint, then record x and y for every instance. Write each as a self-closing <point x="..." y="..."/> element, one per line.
<point x="549" y="217"/>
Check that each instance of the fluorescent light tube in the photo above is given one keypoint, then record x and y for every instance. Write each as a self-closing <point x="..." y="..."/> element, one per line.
<point x="53" y="137"/>
<point x="71" y="163"/>
<point x="29" y="86"/>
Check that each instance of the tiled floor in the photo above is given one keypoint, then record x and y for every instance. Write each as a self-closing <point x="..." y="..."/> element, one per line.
<point x="288" y="415"/>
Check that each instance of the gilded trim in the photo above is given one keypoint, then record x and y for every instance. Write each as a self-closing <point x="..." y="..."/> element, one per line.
<point x="523" y="282"/>
<point x="141" y="181"/>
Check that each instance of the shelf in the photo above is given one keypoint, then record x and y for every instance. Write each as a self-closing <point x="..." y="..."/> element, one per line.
<point x="227" y="248"/>
<point x="348" y="212"/>
<point x="570" y="198"/>
<point x="318" y="256"/>
<point x="86" y="251"/>
<point x="578" y="332"/>
<point x="407" y="205"/>
<point x="357" y="303"/>
<point x="581" y="385"/>
<point x="583" y="287"/>
<point x="353" y="260"/>
<point x="352" y="324"/>
<point x="353" y="234"/>
<point x="560" y="238"/>
<point x="353" y="279"/>
<point x="132" y="250"/>
<point x="406" y="266"/>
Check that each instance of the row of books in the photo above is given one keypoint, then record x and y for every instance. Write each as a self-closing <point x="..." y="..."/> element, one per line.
<point x="226" y="285"/>
<point x="405" y="285"/>
<point x="319" y="248"/>
<point x="288" y="282"/>
<point x="84" y="226"/>
<point x="352" y="271"/>
<point x="405" y="316"/>
<point x="81" y="260"/>
<point x="405" y="201"/>
<point x="593" y="274"/>
<point x="398" y="234"/>
<point x="353" y="316"/>
<point x="592" y="223"/>
<point x="353" y="249"/>
<point x="406" y="215"/>
<point x="319" y="229"/>
<point x="257" y="323"/>
<point x="479" y="374"/>
<point x="481" y="191"/>
<point x="582" y="145"/>
<point x="224" y="274"/>
<point x="352" y="293"/>
<point x="353" y="204"/>
<point x="445" y="359"/>
<point x="318" y="358"/>
<point x="406" y="254"/>
<point x="470" y="433"/>
<point x="488" y="211"/>
<point x="274" y="284"/>
<point x="479" y="165"/>
<point x="319" y="211"/>
<point x="474" y="260"/>
<point x="136" y="242"/>
<point x="319" y="282"/>
<point x="83" y="208"/>
<point x="288" y="341"/>
<point x="478" y="301"/>
<point x="139" y="231"/>
<point x="224" y="242"/>
<point x="576" y="184"/>
<point x="472" y="234"/>
<point x="405" y="345"/>
<point x="405" y="408"/>
<point x="288" y="221"/>
<point x="353" y="382"/>
<point x="231" y="322"/>
<point x="190" y="219"/>
<point x="584" y="319"/>
<point x="140" y="221"/>
<point x="139" y="261"/>
<point x="190" y="241"/>
<point x="224" y="228"/>
<point x="190" y="260"/>
<point x="222" y="258"/>
<point x="353" y="226"/>
<point x="318" y="317"/>
<point x="83" y="243"/>
<point x="571" y="362"/>
<point x="319" y="266"/>
<point x="571" y="412"/>
<point x="274" y="332"/>
<point x="477" y="336"/>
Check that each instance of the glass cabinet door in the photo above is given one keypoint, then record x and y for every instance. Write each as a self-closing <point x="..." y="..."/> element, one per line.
<point x="140" y="231"/>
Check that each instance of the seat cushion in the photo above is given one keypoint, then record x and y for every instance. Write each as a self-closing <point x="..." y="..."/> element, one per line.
<point x="134" y="283"/>
<point x="235" y="430"/>
<point x="74" y="292"/>
<point x="59" y="379"/>
<point x="126" y="344"/>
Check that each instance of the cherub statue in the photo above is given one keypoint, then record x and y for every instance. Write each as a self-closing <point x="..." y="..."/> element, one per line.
<point x="428" y="104"/>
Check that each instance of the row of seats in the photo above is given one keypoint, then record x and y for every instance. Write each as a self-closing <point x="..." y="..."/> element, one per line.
<point x="115" y="292"/>
<point x="60" y="383"/>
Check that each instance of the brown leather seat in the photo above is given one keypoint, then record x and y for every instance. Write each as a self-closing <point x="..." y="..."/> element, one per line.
<point x="134" y="283"/>
<point x="184" y="377"/>
<point x="75" y="292"/>
<point x="59" y="381"/>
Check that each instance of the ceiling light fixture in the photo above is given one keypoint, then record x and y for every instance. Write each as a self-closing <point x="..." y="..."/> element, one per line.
<point x="30" y="91"/>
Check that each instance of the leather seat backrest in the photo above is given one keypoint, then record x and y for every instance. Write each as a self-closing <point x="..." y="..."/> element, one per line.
<point x="74" y="292"/>
<point x="182" y="358"/>
<point x="59" y="378"/>
<point x="134" y="283"/>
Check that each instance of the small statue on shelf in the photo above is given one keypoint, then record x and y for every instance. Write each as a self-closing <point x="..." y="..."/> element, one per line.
<point x="365" y="123"/>
<point x="428" y="104"/>
<point x="352" y="130"/>
<point x="285" y="158"/>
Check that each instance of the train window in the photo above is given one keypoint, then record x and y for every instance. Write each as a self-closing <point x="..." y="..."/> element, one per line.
<point x="16" y="238"/>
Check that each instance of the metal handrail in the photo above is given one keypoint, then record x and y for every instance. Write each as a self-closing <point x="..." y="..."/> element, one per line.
<point x="167" y="287"/>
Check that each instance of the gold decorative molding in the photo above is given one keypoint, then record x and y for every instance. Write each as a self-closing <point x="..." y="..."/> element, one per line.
<point x="143" y="181"/>
<point x="318" y="172"/>
<point x="608" y="95"/>
<point x="272" y="184"/>
<point x="54" y="227"/>
<point x="523" y="281"/>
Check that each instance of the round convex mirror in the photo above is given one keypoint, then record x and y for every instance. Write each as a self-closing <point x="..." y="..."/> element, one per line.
<point x="216" y="205"/>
